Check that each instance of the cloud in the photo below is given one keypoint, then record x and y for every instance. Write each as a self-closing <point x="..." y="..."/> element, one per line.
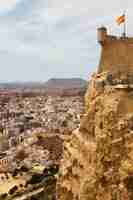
<point x="46" y="38"/>
<point x="7" y="5"/>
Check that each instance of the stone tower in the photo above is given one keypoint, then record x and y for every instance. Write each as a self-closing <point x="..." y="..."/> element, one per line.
<point x="116" y="52"/>
<point x="102" y="35"/>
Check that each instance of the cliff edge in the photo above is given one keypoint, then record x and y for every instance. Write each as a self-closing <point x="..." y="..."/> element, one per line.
<point x="98" y="158"/>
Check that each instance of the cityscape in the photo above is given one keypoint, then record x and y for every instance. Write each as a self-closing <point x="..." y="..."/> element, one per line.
<point x="34" y="122"/>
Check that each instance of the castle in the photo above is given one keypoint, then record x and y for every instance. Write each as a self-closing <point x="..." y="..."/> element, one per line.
<point x="98" y="158"/>
<point x="117" y="52"/>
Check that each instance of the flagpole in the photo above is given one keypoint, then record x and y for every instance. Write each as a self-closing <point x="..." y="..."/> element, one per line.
<point x="124" y="25"/>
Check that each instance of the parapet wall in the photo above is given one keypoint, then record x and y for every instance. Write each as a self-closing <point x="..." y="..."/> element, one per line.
<point x="116" y="54"/>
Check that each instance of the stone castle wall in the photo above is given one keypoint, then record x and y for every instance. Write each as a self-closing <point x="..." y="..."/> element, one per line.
<point x="116" y="54"/>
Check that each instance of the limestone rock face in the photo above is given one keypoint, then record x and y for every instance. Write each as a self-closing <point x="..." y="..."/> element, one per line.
<point x="98" y="158"/>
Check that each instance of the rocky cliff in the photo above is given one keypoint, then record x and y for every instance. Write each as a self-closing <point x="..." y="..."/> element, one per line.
<point x="98" y="157"/>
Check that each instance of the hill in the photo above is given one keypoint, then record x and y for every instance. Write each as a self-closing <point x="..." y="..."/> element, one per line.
<point x="72" y="86"/>
<point x="65" y="83"/>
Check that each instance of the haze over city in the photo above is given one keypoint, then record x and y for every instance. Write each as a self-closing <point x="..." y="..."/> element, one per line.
<point x="41" y="39"/>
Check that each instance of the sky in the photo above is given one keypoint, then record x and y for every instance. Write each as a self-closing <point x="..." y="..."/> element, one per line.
<point x="42" y="39"/>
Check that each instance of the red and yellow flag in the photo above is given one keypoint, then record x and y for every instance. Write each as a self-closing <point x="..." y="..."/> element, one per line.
<point x="120" y="19"/>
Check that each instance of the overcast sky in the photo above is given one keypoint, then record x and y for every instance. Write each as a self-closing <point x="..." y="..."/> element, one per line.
<point x="42" y="39"/>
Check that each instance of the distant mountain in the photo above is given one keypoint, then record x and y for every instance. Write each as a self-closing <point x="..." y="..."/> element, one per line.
<point x="21" y="85"/>
<point x="65" y="83"/>
<point x="59" y="86"/>
<point x="72" y="86"/>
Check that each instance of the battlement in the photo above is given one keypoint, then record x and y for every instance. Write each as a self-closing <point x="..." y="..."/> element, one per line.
<point x="116" y="52"/>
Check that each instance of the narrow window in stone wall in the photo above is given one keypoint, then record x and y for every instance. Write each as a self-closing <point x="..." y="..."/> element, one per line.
<point x="101" y="125"/>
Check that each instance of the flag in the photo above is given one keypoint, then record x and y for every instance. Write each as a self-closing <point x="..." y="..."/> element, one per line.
<point x="120" y="19"/>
